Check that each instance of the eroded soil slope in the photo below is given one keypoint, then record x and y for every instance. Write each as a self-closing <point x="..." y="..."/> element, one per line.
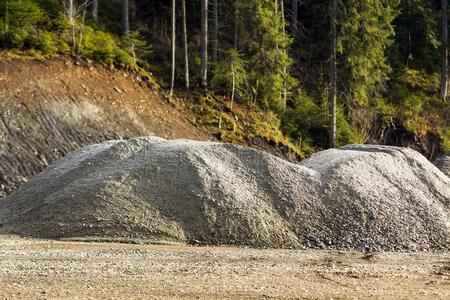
<point x="443" y="163"/>
<point x="50" y="108"/>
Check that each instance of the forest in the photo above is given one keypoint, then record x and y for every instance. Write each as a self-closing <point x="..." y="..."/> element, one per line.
<point x="324" y="72"/>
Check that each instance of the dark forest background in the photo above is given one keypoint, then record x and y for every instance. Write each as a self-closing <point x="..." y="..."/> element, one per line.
<point x="273" y="56"/>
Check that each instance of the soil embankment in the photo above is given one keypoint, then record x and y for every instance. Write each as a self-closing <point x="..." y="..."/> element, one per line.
<point x="50" y="108"/>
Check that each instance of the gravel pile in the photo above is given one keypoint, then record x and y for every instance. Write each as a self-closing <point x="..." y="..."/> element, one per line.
<point x="443" y="163"/>
<point x="357" y="197"/>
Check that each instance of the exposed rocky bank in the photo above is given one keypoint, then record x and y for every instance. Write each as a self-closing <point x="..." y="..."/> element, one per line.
<point x="443" y="164"/>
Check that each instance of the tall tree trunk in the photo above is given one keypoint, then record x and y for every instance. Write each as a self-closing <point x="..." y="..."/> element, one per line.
<point x="81" y="30"/>
<point x="283" y="19"/>
<point x="71" y="17"/>
<point x="333" y="75"/>
<point x="233" y="85"/>
<point x="215" y="39"/>
<point x="172" y="82"/>
<point x="294" y="13"/>
<point x="185" y="42"/>
<point x="235" y="44"/>
<point x="408" y="50"/>
<point x="204" y="45"/>
<point x="276" y="14"/>
<point x="444" y="58"/>
<point x="132" y="9"/>
<point x="70" y="13"/>
<point x="125" y="18"/>
<point x="95" y="10"/>
<point x="7" y="16"/>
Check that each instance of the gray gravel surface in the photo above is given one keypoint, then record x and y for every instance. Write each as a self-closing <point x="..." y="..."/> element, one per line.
<point x="151" y="189"/>
<point x="46" y="269"/>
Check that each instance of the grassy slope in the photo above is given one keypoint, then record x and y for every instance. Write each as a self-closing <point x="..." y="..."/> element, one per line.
<point x="237" y="124"/>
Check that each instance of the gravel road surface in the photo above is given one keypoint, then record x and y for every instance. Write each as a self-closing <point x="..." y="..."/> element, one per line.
<point x="45" y="269"/>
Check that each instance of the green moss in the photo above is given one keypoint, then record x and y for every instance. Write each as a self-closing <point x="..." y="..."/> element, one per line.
<point x="240" y="125"/>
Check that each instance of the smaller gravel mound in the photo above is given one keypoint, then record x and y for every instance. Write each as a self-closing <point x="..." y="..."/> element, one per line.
<point x="443" y="164"/>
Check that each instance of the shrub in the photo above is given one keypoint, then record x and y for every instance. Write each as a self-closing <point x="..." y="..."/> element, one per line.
<point x="124" y="59"/>
<point x="229" y="71"/>
<point x="99" y="45"/>
<point x="18" y="20"/>
<point x="20" y="14"/>
<point x="14" y="38"/>
<point x="347" y="133"/>
<point x="307" y="122"/>
<point x="134" y="48"/>
<point x="303" y="118"/>
<point x="47" y="43"/>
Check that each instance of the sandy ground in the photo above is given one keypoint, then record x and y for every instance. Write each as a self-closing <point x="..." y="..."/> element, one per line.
<point x="43" y="269"/>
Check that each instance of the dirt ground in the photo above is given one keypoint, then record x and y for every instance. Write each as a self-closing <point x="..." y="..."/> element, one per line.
<point x="50" y="108"/>
<point x="44" y="269"/>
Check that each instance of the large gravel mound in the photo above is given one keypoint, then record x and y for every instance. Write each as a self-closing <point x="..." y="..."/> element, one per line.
<point x="357" y="197"/>
<point x="443" y="163"/>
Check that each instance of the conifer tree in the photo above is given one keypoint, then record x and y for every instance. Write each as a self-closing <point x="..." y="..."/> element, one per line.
<point x="366" y="33"/>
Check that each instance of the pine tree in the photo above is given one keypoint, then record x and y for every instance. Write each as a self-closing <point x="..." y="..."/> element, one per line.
<point x="416" y="36"/>
<point x="366" y="33"/>
<point x="263" y="37"/>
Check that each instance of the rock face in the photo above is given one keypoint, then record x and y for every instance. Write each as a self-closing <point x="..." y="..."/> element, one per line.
<point x="443" y="164"/>
<point x="357" y="197"/>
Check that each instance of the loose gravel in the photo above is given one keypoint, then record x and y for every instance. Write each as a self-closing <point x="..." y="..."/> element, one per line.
<point x="48" y="269"/>
<point x="153" y="190"/>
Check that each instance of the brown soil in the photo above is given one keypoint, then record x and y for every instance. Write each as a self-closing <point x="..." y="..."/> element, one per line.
<point x="49" y="108"/>
<point x="42" y="269"/>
